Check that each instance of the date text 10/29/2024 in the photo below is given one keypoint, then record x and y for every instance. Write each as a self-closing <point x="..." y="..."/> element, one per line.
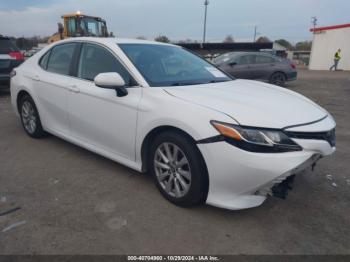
<point x="173" y="258"/>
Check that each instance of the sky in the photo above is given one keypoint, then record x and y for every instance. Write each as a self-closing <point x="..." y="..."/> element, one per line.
<point x="179" y="19"/>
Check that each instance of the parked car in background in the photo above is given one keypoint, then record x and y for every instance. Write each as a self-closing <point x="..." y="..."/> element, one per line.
<point x="203" y="136"/>
<point x="10" y="57"/>
<point x="32" y="51"/>
<point x="257" y="66"/>
<point x="29" y="53"/>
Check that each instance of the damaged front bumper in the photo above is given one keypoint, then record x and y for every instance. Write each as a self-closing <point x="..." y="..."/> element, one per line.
<point x="239" y="179"/>
<point x="280" y="186"/>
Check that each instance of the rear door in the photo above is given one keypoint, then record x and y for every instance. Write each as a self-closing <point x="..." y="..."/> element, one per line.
<point x="265" y="66"/>
<point x="52" y="85"/>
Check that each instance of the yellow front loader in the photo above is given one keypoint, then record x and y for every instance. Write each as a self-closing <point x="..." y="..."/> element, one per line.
<point x="78" y="24"/>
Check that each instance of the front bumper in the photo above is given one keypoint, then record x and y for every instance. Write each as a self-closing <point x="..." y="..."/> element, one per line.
<point x="239" y="179"/>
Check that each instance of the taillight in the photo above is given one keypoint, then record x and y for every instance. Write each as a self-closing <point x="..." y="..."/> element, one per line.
<point x="16" y="55"/>
<point x="292" y="65"/>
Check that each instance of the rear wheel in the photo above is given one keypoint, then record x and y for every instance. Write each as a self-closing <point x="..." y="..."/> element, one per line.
<point x="30" y="117"/>
<point x="278" y="79"/>
<point x="178" y="169"/>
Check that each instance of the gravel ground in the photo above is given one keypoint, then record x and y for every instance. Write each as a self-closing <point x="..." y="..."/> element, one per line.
<point x="75" y="202"/>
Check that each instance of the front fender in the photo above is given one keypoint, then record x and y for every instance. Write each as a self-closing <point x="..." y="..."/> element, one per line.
<point x="157" y="108"/>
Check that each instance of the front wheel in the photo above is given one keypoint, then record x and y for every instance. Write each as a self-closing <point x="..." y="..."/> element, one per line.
<point x="278" y="79"/>
<point x="30" y="117"/>
<point x="178" y="169"/>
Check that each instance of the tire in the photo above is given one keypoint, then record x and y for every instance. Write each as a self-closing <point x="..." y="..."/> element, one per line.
<point x="30" y="117"/>
<point x="278" y="79"/>
<point x="193" y="174"/>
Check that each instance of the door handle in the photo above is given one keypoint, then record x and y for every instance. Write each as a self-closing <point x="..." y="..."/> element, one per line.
<point x="74" y="89"/>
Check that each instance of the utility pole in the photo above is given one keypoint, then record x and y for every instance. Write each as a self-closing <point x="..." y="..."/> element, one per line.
<point x="255" y="28"/>
<point x="206" y="3"/>
<point x="314" y="22"/>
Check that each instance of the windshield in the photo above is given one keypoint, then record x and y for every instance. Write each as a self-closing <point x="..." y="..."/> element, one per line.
<point x="166" y="65"/>
<point x="92" y="27"/>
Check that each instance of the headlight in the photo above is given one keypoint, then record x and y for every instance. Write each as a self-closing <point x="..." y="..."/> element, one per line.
<point x="256" y="139"/>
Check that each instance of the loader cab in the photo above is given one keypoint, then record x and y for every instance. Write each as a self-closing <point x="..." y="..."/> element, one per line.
<point x="77" y="25"/>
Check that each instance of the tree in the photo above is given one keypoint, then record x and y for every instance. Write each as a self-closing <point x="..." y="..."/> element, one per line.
<point x="303" y="46"/>
<point x="229" y="39"/>
<point x="162" y="38"/>
<point x="285" y="43"/>
<point x="187" y="41"/>
<point x="263" y="39"/>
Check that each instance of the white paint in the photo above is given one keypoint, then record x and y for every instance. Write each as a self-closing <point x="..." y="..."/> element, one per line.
<point x="115" y="127"/>
<point x="324" y="46"/>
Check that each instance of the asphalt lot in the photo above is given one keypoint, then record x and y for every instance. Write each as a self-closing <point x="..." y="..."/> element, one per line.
<point x="75" y="202"/>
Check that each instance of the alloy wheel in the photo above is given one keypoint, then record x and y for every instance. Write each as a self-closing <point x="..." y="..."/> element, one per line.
<point x="278" y="79"/>
<point x="172" y="169"/>
<point x="29" y="117"/>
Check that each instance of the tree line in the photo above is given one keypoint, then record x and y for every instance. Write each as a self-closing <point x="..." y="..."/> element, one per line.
<point x="299" y="46"/>
<point x="26" y="43"/>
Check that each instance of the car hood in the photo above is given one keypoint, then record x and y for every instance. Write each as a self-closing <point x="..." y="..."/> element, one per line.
<point x="253" y="103"/>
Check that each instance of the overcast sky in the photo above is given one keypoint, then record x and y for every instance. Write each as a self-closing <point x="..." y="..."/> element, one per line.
<point x="179" y="19"/>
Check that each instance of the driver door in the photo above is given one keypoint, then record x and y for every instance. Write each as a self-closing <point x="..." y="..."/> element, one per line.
<point x="244" y="67"/>
<point x="96" y="115"/>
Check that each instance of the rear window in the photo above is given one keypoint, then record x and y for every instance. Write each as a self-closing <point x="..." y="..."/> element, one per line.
<point x="44" y="60"/>
<point x="60" y="58"/>
<point x="246" y="60"/>
<point x="6" y="46"/>
<point x="263" y="59"/>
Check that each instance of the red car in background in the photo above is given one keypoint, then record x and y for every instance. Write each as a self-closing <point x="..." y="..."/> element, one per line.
<point x="10" y="57"/>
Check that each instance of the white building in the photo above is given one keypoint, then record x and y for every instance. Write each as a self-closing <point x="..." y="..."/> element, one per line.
<point x="327" y="40"/>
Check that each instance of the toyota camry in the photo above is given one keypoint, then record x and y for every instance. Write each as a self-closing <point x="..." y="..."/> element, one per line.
<point x="204" y="136"/>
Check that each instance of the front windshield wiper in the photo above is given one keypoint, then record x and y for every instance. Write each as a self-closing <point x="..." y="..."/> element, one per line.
<point x="217" y="81"/>
<point x="185" y="84"/>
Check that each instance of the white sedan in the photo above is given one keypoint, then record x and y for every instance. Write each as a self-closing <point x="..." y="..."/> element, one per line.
<point x="158" y="108"/>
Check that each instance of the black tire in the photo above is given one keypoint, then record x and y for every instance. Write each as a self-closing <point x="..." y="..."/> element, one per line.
<point x="278" y="79"/>
<point x="198" y="189"/>
<point x="38" y="131"/>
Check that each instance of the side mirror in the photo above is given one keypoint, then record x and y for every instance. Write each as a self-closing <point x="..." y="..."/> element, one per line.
<point x="111" y="81"/>
<point x="232" y="64"/>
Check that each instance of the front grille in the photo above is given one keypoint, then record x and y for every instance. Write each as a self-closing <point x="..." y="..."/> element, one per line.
<point x="328" y="136"/>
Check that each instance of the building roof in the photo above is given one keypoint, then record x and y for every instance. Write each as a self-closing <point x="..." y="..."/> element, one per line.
<point x="325" y="28"/>
<point x="278" y="47"/>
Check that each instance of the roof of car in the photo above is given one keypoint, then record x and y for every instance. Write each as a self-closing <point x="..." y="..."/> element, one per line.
<point x="239" y="53"/>
<point x="114" y="40"/>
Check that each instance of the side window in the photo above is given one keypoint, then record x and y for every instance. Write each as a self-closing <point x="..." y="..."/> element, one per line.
<point x="246" y="60"/>
<point x="71" y="26"/>
<point x="263" y="59"/>
<point x="95" y="60"/>
<point x="44" y="59"/>
<point x="60" y="58"/>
